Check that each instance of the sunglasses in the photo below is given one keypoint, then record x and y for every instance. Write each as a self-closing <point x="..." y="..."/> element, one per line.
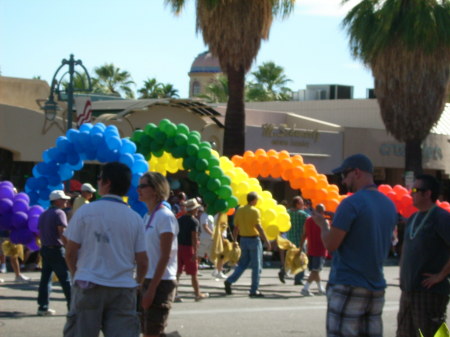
<point x="346" y="173"/>
<point x="143" y="185"/>
<point x="416" y="189"/>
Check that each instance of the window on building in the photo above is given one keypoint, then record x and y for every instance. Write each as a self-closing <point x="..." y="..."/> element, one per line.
<point x="196" y="88"/>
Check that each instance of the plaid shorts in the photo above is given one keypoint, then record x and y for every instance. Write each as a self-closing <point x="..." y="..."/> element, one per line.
<point x="420" y="310"/>
<point x="354" y="311"/>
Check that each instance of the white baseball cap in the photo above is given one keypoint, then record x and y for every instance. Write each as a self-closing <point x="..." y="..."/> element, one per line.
<point x="57" y="195"/>
<point x="86" y="187"/>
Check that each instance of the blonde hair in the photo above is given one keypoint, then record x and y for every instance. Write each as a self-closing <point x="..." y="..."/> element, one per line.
<point x="159" y="183"/>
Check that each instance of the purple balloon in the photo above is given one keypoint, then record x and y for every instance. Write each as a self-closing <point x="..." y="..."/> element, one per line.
<point x="6" y="192"/>
<point x="6" y="221"/>
<point x="22" y="196"/>
<point x="6" y="183"/>
<point x="20" y="205"/>
<point x="19" y="220"/>
<point x="33" y="222"/>
<point x="23" y="236"/>
<point x="33" y="246"/>
<point x="5" y="205"/>
<point x="35" y="210"/>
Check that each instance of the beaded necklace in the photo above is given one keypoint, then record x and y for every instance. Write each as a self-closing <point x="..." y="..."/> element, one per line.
<point x="412" y="232"/>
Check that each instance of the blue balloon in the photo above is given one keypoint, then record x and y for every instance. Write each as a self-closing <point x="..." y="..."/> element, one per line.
<point x="42" y="182"/>
<point x="72" y="134"/>
<point x="139" y="166"/>
<point x="85" y="127"/>
<point x="65" y="172"/>
<point x="32" y="183"/>
<point x="96" y="138"/>
<point x="63" y="144"/>
<point x="78" y="166"/>
<point x="127" y="159"/>
<point x="114" y="143"/>
<point x="44" y="193"/>
<point x="127" y="146"/>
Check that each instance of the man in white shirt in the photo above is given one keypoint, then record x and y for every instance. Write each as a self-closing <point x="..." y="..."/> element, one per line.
<point x="105" y="244"/>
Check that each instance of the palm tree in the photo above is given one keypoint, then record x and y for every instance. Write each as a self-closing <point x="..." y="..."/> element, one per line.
<point x="151" y="89"/>
<point x="112" y="80"/>
<point x="168" y="91"/>
<point x="233" y="31"/>
<point x="406" y="43"/>
<point x="272" y="79"/>
<point x="217" y="91"/>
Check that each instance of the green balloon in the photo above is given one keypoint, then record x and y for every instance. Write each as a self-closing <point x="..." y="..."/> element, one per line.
<point x="150" y="129"/>
<point x="201" y="164"/>
<point x="213" y="184"/>
<point x="156" y="147"/>
<point x="209" y="198"/>
<point x="170" y="145"/>
<point x="225" y="180"/>
<point x="205" y="145"/>
<point x="159" y="153"/>
<point x="189" y="163"/>
<point x="216" y="172"/>
<point x="179" y="152"/>
<point x="213" y="162"/>
<point x="183" y="128"/>
<point x="221" y="205"/>
<point x="196" y="134"/>
<point x="181" y="139"/>
<point x="232" y="202"/>
<point x="160" y="137"/>
<point x="193" y="140"/>
<point x="202" y="178"/>
<point x="163" y="123"/>
<point x="137" y="135"/>
<point x="192" y="150"/>
<point x="170" y="129"/>
<point x="146" y="140"/>
<point x="192" y="175"/>
<point x="225" y="192"/>
<point x="204" y="153"/>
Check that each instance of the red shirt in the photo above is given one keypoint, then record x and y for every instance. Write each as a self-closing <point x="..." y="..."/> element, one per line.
<point x="315" y="245"/>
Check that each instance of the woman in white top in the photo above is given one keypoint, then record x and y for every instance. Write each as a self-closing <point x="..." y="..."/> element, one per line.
<point x="161" y="230"/>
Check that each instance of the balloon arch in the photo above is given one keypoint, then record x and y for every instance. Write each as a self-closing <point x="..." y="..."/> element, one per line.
<point x="169" y="147"/>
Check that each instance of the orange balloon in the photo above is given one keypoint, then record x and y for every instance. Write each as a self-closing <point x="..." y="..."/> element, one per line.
<point x="260" y="152"/>
<point x="321" y="194"/>
<point x="231" y="211"/>
<point x="331" y="205"/>
<point x="284" y="154"/>
<point x="272" y="152"/>
<point x="276" y="170"/>
<point x="310" y="182"/>
<point x="297" y="160"/>
<point x="298" y="172"/>
<point x="249" y="154"/>
<point x="237" y="160"/>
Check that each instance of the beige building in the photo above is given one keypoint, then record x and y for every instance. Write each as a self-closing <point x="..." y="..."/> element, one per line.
<point x="204" y="71"/>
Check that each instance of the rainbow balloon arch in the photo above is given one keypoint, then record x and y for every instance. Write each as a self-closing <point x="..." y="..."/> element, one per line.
<point x="168" y="148"/>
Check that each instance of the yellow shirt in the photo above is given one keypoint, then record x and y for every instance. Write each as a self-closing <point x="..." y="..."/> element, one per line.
<point x="246" y="219"/>
<point x="78" y="202"/>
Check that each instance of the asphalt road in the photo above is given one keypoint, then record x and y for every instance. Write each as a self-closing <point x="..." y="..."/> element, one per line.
<point x="282" y="312"/>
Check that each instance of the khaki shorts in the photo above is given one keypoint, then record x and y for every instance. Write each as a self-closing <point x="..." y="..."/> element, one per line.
<point x="154" y="319"/>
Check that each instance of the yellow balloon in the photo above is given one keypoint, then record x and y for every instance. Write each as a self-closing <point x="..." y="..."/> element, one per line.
<point x="269" y="215"/>
<point x="283" y="222"/>
<point x="272" y="232"/>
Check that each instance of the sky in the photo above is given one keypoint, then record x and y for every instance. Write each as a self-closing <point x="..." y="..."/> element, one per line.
<point x="146" y="39"/>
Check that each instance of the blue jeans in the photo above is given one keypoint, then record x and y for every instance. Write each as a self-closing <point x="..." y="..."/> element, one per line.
<point x="251" y="254"/>
<point x="53" y="261"/>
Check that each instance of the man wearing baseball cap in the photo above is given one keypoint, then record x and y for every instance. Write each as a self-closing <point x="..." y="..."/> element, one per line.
<point x="87" y="193"/>
<point x="359" y="239"/>
<point x="52" y="224"/>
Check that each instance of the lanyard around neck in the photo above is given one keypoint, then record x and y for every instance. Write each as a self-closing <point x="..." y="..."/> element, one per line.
<point x="157" y="207"/>
<point x="412" y="232"/>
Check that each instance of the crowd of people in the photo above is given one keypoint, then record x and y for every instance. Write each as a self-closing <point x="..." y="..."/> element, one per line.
<point x="106" y="251"/>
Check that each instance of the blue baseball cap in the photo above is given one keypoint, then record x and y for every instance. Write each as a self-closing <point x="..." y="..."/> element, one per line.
<point x="356" y="161"/>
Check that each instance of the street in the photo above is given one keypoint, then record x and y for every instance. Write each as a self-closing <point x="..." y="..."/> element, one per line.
<point x="282" y="312"/>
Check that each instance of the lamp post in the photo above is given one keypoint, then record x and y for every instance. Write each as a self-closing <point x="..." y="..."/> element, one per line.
<point x="50" y="106"/>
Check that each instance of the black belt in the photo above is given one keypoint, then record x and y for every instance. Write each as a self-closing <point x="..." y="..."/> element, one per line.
<point x="250" y="237"/>
<point x="52" y="246"/>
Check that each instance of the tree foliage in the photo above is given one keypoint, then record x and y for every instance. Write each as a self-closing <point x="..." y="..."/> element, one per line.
<point x="113" y="81"/>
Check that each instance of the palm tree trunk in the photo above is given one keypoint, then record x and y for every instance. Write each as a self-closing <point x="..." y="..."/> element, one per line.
<point x="413" y="156"/>
<point x="234" y="135"/>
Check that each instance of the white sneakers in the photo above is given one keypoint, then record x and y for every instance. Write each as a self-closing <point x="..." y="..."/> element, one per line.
<point x="46" y="312"/>
<point x="219" y="275"/>
<point x="22" y="278"/>
<point x="306" y="292"/>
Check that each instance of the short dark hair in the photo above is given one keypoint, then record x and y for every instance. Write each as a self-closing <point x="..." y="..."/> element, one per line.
<point x="296" y="200"/>
<point x="430" y="183"/>
<point x="119" y="176"/>
<point x="252" y="196"/>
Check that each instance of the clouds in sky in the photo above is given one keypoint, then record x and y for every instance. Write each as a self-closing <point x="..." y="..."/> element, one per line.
<point x="324" y="7"/>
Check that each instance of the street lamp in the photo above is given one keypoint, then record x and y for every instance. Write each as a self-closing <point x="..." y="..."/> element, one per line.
<point x="50" y="106"/>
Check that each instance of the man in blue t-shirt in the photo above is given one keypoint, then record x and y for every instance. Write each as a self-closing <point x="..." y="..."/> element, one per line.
<point x="359" y="238"/>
